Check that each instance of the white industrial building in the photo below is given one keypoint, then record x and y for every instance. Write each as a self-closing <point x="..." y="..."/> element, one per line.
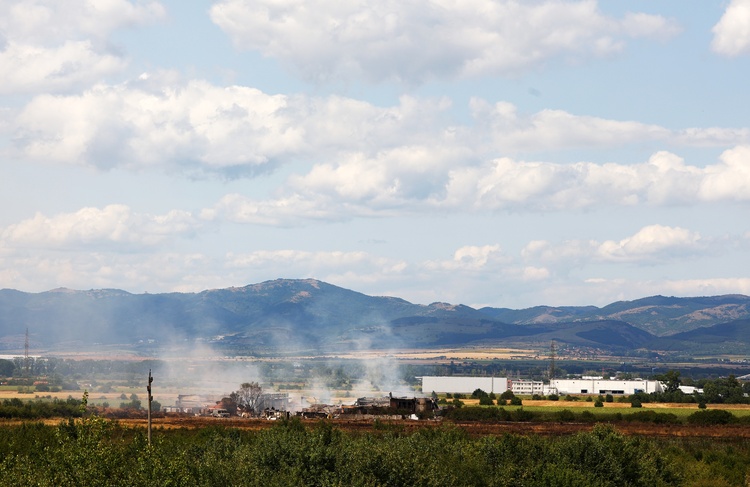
<point x="595" y="385"/>
<point x="464" y="385"/>
<point x="525" y="387"/>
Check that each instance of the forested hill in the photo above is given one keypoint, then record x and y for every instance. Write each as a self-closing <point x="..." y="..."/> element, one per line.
<point x="659" y="315"/>
<point x="312" y="315"/>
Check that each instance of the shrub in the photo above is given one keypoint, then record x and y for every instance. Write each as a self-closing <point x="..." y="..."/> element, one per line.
<point x="711" y="416"/>
<point x="478" y="394"/>
<point x="588" y="417"/>
<point x="635" y="403"/>
<point x="701" y="405"/>
<point x="537" y="397"/>
<point x="565" y="415"/>
<point x="522" y="414"/>
<point x="516" y="401"/>
<point x="507" y="395"/>
<point x="553" y="397"/>
<point x="485" y="400"/>
<point x="609" y="398"/>
<point x="599" y="404"/>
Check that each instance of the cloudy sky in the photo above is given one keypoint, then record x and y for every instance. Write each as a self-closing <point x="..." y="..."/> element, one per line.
<point x="484" y="152"/>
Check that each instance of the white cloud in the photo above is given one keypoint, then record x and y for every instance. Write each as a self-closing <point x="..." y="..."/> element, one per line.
<point x="557" y="128"/>
<point x="415" y="41"/>
<point x="113" y="225"/>
<point x="732" y="32"/>
<point x="362" y="187"/>
<point x="406" y="149"/>
<point x="729" y="180"/>
<point x="26" y="68"/>
<point x="471" y="258"/>
<point x="57" y="46"/>
<point x="650" y="244"/>
<point x="134" y="126"/>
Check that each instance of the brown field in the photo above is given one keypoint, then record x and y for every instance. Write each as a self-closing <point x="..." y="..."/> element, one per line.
<point x="472" y="428"/>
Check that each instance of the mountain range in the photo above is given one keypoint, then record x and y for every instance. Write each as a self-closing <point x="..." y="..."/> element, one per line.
<point x="310" y="315"/>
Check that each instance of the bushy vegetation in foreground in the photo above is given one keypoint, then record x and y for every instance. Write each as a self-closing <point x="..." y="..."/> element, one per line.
<point x="94" y="451"/>
<point x="587" y="415"/>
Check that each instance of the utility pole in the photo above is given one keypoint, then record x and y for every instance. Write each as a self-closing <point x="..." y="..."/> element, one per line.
<point x="150" y="398"/>
<point x="552" y="353"/>
<point x="26" y="362"/>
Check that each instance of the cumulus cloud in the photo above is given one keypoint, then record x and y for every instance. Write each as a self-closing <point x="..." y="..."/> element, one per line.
<point x="414" y="41"/>
<point x="364" y="187"/>
<point x="471" y="258"/>
<point x="56" y="46"/>
<point x="732" y="32"/>
<point x="196" y="127"/>
<point x="650" y="244"/>
<point x="113" y="225"/>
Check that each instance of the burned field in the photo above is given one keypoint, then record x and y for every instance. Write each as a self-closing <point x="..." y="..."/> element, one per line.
<point x="472" y="428"/>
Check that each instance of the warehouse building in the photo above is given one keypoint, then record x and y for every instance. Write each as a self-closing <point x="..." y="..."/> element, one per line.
<point x="596" y="385"/>
<point x="464" y="385"/>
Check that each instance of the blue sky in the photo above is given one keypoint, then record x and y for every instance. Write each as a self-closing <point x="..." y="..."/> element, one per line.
<point x="482" y="152"/>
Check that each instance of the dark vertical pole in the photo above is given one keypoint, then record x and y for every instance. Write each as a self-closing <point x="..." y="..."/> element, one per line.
<point x="150" y="398"/>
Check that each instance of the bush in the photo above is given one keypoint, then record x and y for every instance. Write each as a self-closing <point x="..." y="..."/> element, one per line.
<point x="566" y="415"/>
<point x="598" y="404"/>
<point x="635" y="403"/>
<point x="537" y="397"/>
<point x="609" y="398"/>
<point x="701" y="405"/>
<point x="478" y="394"/>
<point x="711" y="416"/>
<point x="522" y="414"/>
<point x="507" y="395"/>
<point x="553" y="397"/>
<point x="473" y="413"/>
<point x="485" y="400"/>
<point x="516" y="401"/>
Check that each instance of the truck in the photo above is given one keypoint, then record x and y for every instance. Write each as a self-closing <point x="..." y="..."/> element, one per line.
<point x="220" y="413"/>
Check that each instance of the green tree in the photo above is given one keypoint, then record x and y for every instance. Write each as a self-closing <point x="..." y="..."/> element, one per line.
<point x="672" y="381"/>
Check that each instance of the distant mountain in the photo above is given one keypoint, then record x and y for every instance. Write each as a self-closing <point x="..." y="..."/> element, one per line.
<point x="658" y="315"/>
<point x="730" y="338"/>
<point x="310" y="315"/>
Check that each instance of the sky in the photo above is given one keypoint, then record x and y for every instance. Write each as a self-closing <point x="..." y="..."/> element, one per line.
<point x="488" y="153"/>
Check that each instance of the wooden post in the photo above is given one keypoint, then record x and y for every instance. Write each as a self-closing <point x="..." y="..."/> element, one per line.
<point x="150" y="398"/>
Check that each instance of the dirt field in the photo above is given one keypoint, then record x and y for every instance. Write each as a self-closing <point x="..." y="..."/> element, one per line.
<point x="472" y="428"/>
